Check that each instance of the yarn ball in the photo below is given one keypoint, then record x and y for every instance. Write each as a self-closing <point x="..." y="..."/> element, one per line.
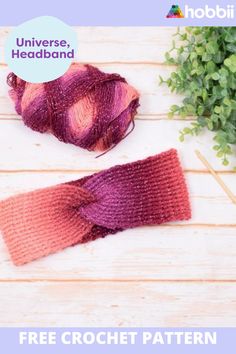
<point x="85" y="107"/>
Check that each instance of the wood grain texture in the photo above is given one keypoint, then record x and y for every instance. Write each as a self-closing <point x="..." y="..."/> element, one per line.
<point x="25" y="149"/>
<point x="118" y="44"/>
<point x="156" y="253"/>
<point x="120" y="304"/>
<point x="180" y="274"/>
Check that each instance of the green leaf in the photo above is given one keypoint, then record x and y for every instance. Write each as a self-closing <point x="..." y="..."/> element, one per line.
<point x="210" y="125"/>
<point x="225" y="162"/>
<point x="215" y="76"/>
<point x="231" y="63"/>
<point x="174" y="108"/>
<point x="206" y="57"/>
<point x="216" y="147"/>
<point x="200" y="50"/>
<point x="218" y="58"/>
<point x="212" y="47"/>
<point x="187" y="131"/>
<point x="200" y="110"/>
<point x="227" y="101"/>
<point x="204" y="94"/>
<point x="231" y="47"/>
<point x="220" y="154"/>
<point x="170" y="115"/>
<point x="211" y="67"/>
<point x="201" y="121"/>
<point x="205" y="75"/>
<point x="217" y="109"/>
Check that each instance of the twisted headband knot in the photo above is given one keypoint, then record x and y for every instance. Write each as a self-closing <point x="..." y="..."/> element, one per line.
<point x="146" y="192"/>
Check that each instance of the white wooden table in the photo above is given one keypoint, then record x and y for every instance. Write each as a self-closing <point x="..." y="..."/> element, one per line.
<point x="180" y="274"/>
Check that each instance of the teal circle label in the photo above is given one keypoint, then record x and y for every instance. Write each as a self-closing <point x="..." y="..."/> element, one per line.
<point x="41" y="50"/>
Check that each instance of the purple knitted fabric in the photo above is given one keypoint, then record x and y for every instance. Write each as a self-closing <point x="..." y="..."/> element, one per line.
<point x="146" y="192"/>
<point x="85" y="107"/>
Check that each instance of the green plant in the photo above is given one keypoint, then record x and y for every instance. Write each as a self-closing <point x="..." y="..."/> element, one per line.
<point x="206" y="74"/>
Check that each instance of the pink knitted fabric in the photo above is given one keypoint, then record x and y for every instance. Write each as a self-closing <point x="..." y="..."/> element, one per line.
<point x="85" y="107"/>
<point x="146" y="192"/>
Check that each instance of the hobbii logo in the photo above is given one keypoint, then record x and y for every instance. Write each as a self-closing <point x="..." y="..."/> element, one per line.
<point x="210" y="12"/>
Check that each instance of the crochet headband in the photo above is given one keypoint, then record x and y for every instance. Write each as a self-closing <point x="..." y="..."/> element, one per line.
<point x="146" y="192"/>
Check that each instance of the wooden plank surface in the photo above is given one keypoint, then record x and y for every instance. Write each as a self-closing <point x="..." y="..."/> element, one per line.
<point x="120" y="304"/>
<point x="159" y="253"/>
<point x="27" y="150"/>
<point x="118" y="44"/>
<point x="183" y="274"/>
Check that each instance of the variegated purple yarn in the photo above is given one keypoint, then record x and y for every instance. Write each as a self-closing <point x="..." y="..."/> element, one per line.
<point x="85" y="107"/>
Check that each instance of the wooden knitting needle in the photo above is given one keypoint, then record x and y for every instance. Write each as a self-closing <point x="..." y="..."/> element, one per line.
<point x="216" y="176"/>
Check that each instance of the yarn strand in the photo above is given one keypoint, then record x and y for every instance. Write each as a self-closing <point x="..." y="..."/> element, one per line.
<point x="85" y="107"/>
